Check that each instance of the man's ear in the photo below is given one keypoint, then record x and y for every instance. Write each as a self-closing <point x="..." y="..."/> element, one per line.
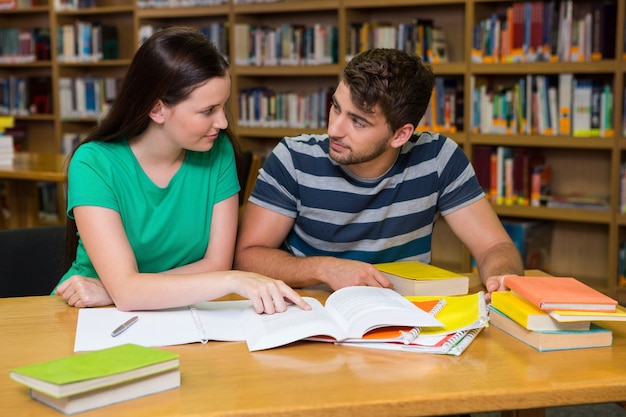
<point x="156" y="114"/>
<point x="402" y="135"/>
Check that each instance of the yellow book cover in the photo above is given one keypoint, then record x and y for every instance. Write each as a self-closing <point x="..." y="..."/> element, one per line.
<point x="576" y="315"/>
<point x="528" y="315"/>
<point x="417" y="278"/>
<point x="461" y="312"/>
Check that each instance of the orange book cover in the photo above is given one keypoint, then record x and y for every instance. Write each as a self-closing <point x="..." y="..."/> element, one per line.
<point x="559" y="293"/>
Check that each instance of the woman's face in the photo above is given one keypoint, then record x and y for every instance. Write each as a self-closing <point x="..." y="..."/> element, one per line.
<point x="196" y="122"/>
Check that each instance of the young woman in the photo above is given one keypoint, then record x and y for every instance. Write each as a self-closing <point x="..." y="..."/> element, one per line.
<point x="153" y="190"/>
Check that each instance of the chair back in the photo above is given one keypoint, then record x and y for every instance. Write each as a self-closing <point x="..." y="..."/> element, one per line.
<point x="31" y="260"/>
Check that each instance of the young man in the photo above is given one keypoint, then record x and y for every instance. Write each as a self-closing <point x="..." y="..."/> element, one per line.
<point x="326" y="207"/>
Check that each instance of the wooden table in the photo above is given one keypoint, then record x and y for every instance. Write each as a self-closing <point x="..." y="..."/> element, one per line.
<point x="318" y="379"/>
<point x="27" y="170"/>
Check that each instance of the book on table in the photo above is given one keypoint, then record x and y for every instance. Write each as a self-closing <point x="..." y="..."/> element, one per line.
<point x="462" y="316"/>
<point x="529" y="315"/>
<point x="94" y="379"/>
<point x="559" y="293"/>
<point x="565" y="316"/>
<point x="547" y="340"/>
<point x="348" y="312"/>
<point x="418" y="278"/>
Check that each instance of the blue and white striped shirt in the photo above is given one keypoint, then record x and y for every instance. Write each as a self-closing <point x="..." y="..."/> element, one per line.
<point x="390" y="218"/>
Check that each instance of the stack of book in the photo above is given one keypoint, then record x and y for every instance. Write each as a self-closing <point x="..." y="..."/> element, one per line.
<point x="85" y="381"/>
<point x="554" y="313"/>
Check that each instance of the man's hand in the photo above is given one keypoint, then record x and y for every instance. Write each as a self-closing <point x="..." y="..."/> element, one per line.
<point x="339" y="273"/>
<point x="81" y="292"/>
<point x="495" y="283"/>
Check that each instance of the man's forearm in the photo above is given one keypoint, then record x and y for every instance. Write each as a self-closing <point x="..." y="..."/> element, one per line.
<point x="295" y="271"/>
<point x="503" y="259"/>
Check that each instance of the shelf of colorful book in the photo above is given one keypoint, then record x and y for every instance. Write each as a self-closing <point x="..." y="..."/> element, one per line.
<point x="566" y="104"/>
<point x="420" y="27"/>
<point x="549" y="31"/>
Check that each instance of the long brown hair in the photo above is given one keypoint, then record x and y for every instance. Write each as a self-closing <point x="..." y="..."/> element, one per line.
<point x="167" y="67"/>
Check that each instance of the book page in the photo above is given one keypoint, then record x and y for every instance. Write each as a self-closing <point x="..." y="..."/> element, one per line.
<point x="360" y="309"/>
<point x="175" y="326"/>
<point x="264" y="331"/>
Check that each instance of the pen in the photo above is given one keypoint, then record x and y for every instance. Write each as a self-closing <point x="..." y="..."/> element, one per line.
<point x="122" y="328"/>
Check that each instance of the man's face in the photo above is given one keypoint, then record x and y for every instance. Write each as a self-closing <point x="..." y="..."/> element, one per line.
<point x="356" y="137"/>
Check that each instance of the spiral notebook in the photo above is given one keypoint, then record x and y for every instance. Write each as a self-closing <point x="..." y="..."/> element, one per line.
<point x="463" y="316"/>
<point x="453" y="344"/>
<point x="199" y="322"/>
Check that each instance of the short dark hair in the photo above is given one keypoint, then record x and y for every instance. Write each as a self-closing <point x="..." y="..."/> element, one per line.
<point x="399" y="82"/>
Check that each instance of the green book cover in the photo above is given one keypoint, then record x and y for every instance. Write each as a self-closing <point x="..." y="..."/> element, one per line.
<point x="86" y="371"/>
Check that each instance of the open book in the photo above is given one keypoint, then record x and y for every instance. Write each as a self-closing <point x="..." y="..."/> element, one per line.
<point x="463" y="317"/>
<point x="349" y="312"/>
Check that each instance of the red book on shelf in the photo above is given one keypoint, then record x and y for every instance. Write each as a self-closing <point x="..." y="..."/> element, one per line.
<point x="559" y="293"/>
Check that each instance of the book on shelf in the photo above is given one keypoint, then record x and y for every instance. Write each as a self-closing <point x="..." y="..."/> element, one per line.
<point x="530" y="316"/>
<point x="559" y="293"/>
<point x="596" y="336"/>
<point x="533" y="239"/>
<point x="418" y="278"/>
<point x="91" y="380"/>
<point x="348" y="312"/>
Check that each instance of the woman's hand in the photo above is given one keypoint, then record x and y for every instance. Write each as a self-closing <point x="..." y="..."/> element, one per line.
<point x="81" y="291"/>
<point x="267" y="295"/>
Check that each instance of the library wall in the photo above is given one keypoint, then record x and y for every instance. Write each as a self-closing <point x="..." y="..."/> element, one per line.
<point x="511" y="80"/>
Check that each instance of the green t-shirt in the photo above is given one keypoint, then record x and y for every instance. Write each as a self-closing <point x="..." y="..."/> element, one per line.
<point x="166" y="227"/>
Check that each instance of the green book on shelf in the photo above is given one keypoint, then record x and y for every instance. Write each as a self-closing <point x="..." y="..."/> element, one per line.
<point x="90" y="380"/>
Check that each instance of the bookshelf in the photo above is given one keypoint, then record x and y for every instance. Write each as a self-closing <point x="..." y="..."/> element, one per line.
<point x="585" y="243"/>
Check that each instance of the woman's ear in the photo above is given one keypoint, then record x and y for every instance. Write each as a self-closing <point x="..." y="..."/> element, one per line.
<point x="402" y="135"/>
<point x="156" y="114"/>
